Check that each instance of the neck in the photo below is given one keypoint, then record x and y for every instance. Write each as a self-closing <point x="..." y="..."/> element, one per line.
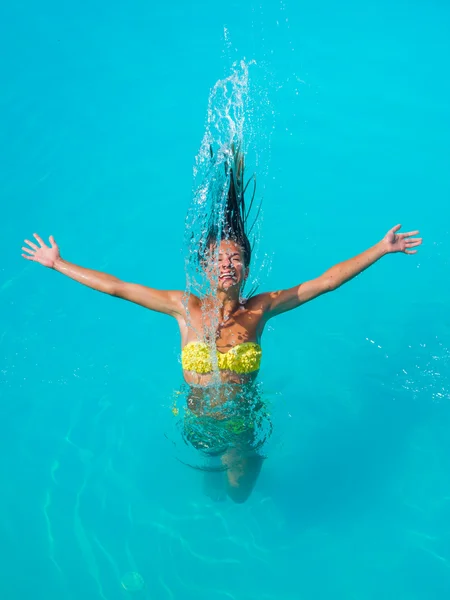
<point x="225" y="302"/>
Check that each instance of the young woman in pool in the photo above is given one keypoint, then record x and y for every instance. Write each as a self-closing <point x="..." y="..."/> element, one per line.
<point x="223" y="377"/>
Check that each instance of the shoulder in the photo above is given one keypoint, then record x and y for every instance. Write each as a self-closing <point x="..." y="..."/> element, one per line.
<point x="260" y="302"/>
<point x="190" y="302"/>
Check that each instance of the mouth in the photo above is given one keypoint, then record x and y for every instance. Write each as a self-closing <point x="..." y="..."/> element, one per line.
<point x="227" y="277"/>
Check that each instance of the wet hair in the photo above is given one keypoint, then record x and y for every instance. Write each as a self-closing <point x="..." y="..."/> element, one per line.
<point x="232" y="224"/>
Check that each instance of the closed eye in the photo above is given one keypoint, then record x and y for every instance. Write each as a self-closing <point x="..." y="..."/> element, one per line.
<point x="232" y="256"/>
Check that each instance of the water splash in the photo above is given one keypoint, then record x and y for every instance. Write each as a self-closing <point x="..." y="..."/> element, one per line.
<point x="235" y="119"/>
<point x="226" y="125"/>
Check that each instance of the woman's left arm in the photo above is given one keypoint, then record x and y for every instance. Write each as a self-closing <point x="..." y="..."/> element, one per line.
<point x="284" y="300"/>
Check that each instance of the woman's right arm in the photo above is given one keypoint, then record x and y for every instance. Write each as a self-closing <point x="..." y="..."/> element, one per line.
<point x="168" y="302"/>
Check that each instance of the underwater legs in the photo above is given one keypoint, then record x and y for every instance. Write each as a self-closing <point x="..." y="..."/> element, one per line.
<point x="242" y="472"/>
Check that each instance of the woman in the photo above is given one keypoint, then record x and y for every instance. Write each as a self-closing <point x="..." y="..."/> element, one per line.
<point x="221" y="332"/>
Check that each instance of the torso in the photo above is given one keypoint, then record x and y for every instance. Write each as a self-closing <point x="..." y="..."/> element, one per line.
<point x="246" y="324"/>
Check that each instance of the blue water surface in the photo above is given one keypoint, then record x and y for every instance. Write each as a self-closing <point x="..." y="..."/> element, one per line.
<point x="103" y="108"/>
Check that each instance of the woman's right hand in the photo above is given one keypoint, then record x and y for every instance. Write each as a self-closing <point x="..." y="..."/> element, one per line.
<point x="43" y="254"/>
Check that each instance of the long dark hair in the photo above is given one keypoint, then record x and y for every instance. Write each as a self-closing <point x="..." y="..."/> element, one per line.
<point x="233" y="223"/>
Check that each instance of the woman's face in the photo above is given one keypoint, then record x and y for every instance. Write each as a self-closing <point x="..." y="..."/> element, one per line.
<point x="226" y="265"/>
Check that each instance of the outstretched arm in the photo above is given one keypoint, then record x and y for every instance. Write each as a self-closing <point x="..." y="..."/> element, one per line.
<point x="168" y="302"/>
<point x="284" y="300"/>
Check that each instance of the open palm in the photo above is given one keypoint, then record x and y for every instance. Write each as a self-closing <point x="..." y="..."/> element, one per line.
<point x="401" y="242"/>
<point x="43" y="254"/>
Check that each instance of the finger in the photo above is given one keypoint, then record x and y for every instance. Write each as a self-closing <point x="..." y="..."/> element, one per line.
<point x="410" y="233"/>
<point x="40" y="240"/>
<point x="28" y="257"/>
<point x="31" y="244"/>
<point x="413" y="242"/>
<point x="410" y="251"/>
<point x="52" y="241"/>
<point x="396" y="228"/>
<point x="29" y="250"/>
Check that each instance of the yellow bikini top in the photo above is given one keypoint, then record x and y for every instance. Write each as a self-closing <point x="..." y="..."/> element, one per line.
<point x="243" y="358"/>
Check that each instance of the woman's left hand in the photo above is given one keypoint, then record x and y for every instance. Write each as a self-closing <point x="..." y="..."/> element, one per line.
<point x="401" y="242"/>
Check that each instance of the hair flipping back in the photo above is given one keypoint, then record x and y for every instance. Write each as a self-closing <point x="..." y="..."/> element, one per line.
<point x="234" y="219"/>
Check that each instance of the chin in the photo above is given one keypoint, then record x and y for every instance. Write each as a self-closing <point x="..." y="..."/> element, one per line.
<point x="227" y="285"/>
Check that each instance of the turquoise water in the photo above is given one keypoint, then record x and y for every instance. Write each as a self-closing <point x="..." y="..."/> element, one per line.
<point x="102" y="114"/>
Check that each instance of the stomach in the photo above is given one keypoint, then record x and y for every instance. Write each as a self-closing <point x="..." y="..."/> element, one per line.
<point x="225" y="415"/>
<point x="220" y="399"/>
<point x="221" y="387"/>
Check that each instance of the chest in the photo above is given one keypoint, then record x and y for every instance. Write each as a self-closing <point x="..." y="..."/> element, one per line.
<point x="242" y="326"/>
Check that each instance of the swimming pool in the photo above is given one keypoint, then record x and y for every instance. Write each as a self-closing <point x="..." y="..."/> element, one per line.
<point x="103" y="112"/>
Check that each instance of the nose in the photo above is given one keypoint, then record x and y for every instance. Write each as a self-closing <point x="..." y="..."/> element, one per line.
<point x="226" y="262"/>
